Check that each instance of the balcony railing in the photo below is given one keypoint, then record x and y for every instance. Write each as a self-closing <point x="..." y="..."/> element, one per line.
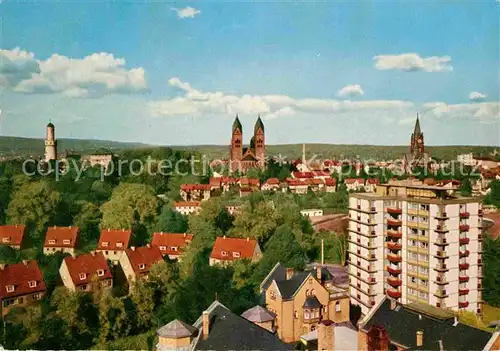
<point x="441" y="228"/>
<point x="464" y="241"/>
<point x="393" y="245"/>
<point x="463" y="266"/>
<point x="464" y="214"/>
<point x="441" y="254"/>
<point x="463" y="304"/>
<point x="441" y="267"/>
<point x="442" y="215"/>
<point x="441" y="293"/>
<point x="441" y="279"/>
<point x="463" y="279"/>
<point x="393" y="270"/>
<point x="394" y="281"/>
<point x="464" y="227"/>
<point x="394" y="222"/>
<point x="463" y="291"/>
<point x="395" y="294"/>
<point x="394" y="234"/>
<point x="441" y="241"/>
<point x="394" y="258"/>
<point x="393" y="210"/>
<point x="464" y="253"/>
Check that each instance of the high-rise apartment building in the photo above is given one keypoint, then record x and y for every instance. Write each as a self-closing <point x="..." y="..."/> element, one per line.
<point x="415" y="243"/>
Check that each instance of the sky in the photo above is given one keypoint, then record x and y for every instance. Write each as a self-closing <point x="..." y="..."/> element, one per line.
<point x="177" y="73"/>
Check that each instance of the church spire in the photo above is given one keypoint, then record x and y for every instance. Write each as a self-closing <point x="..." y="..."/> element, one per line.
<point x="237" y="124"/>
<point x="258" y="125"/>
<point x="417" y="131"/>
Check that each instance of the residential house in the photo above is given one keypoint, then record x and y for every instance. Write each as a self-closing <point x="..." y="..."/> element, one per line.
<point x="226" y="250"/>
<point x="12" y="235"/>
<point x="302" y="300"/>
<point x="371" y="185"/>
<point x="260" y="316"/>
<point x="171" y="244"/>
<point x="112" y="243"/>
<point x="419" y="326"/>
<point x="297" y="186"/>
<point x="252" y="183"/>
<point x="187" y="207"/>
<point x="354" y="184"/>
<point x="101" y="157"/>
<point x="330" y="185"/>
<point x="272" y="184"/>
<point x="20" y="284"/>
<point x="311" y="212"/>
<point x="302" y="175"/>
<point x="323" y="175"/>
<point x="222" y="183"/>
<point x="137" y="262"/>
<point x="61" y="239"/>
<point x="195" y="192"/>
<point x="84" y="272"/>
<point x="331" y="336"/>
<point x="217" y="329"/>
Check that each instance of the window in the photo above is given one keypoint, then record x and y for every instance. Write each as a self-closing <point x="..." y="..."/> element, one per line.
<point x="37" y="296"/>
<point x="412" y="280"/>
<point x="163" y="248"/>
<point x="9" y="288"/>
<point x="236" y="254"/>
<point x="52" y="241"/>
<point x="119" y="244"/>
<point x="142" y="266"/>
<point x="66" y="241"/>
<point x="6" y="240"/>
<point x="82" y="276"/>
<point x="312" y="292"/>
<point x="424" y="245"/>
<point x="337" y="306"/>
<point x="100" y="272"/>
<point x="307" y="292"/>
<point x="423" y="257"/>
<point x="32" y="283"/>
<point x="106" y="252"/>
<point x="224" y="253"/>
<point x="175" y="248"/>
<point x="295" y="314"/>
<point x="423" y="282"/>
<point x="424" y="270"/>
<point x="306" y="314"/>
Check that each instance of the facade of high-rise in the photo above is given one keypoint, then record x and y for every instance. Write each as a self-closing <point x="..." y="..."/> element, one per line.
<point x="415" y="243"/>
<point x="50" y="143"/>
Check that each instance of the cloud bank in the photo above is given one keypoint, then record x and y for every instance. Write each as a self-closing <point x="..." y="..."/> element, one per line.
<point x="476" y="96"/>
<point x="351" y="90"/>
<point x="411" y="62"/>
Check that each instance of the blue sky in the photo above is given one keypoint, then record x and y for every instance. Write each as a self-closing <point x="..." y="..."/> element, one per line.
<point x="177" y="73"/>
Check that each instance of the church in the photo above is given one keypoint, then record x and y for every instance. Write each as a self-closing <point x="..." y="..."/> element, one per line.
<point x="417" y="156"/>
<point x="243" y="158"/>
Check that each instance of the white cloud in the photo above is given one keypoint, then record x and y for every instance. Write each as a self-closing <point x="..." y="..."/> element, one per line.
<point x="483" y="112"/>
<point x="476" y="96"/>
<point x="196" y="102"/>
<point x="351" y="90"/>
<point x="186" y="12"/>
<point x="92" y="76"/>
<point x="413" y="62"/>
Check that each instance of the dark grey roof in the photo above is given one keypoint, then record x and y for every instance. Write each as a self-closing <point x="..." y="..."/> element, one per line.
<point x="258" y="314"/>
<point x="311" y="302"/>
<point x="229" y="331"/>
<point x="402" y="324"/>
<point x="176" y="329"/>
<point x="277" y="273"/>
<point x="288" y="287"/>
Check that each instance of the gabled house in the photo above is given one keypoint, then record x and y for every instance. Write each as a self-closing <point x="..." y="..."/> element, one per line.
<point x="195" y="192"/>
<point x="83" y="272"/>
<point x="187" y="207"/>
<point x="297" y="186"/>
<point x="371" y="185"/>
<point x="272" y="184"/>
<point x="12" y="235"/>
<point x="112" y="243"/>
<point x="137" y="261"/>
<point x="171" y="244"/>
<point x="226" y="250"/>
<point x="354" y="184"/>
<point x="20" y="284"/>
<point x="330" y="185"/>
<point x="61" y="239"/>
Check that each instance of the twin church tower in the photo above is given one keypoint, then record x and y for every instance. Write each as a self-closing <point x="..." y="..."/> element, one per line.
<point x="243" y="158"/>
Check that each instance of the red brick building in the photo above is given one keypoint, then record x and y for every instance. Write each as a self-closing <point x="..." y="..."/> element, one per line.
<point x="243" y="158"/>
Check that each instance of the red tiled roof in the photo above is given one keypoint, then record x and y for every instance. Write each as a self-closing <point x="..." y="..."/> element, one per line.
<point x="20" y="275"/>
<point x="272" y="181"/>
<point x="295" y="182"/>
<point x="372" y="181"/>
<point x="192" y="187"/>
<point x="166" y="242"/>
<point x="329" y="163"/>
<point x="313" y="181"/>
<point x="249" y="181"/>
<point x="144" y="255"/>
<point x="187" y="204"/>
<point x="12" y="234"/>
<point x="448" y="181"/>
<point x="244" y="246"/>
<point x="88" y="264"/>
<point x="330" y="181"/>
<point x="353" y="180"/>
<point x="111" y="239"/>
<point x="321" y="174"/>
<point x="302" y="175"/>
<point x="57" y="236"/>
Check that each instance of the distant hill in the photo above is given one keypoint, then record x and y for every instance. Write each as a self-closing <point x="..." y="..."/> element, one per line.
<point x="15" y="146"/>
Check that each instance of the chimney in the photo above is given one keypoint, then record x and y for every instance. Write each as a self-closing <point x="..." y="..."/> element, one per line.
<point x="378" y="339"/>
<point x="92" y="252"/>
<point x="184" y="234"/>
<point x="148" y="245"/>
<point x="289" y="273"/>
<point x="109" y="229"/>
<point x="318" y="273"/>
<point x="420" y="338"/>
<point x="25" y="262"/>
<point x="224" y="237"/>
<point x="2" y="266"/>
<point x="73" y="255"/>
<point x="132" y="248"/>
<point x="393" y="304"/>
<point x="205" y="324"/>
<point x="248" y="239"/>
<point x="326" y="335"/>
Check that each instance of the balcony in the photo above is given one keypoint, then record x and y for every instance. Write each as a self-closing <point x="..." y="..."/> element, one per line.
<point x="464" y="214"/>
<point x="442" y="215"/>
<point x="463" y="279"/>
<point x="393" y="210"/>
<point x="395" y="294"/>
<point x="441" y="254"/>
<point x="394" y="258"/>
<point x="463" y="291"/>
<point x="463" y="304"/>
<point x="464" y="241"/>
<point x="464" y="227"/>
<point x="394" y="271"/>
<point x="479" y="262"/>
<point x="480" y="212"/>
<point x="441" y="229"/>
<point x="464" y="253"/>
<point x="441" y="280"/>
<point x="394" y="222"/>
<point x="441" y="241"/>
<point x="393" y="245"/>
<point x="441" y="268"/>
<point x="463" y="266"/>
<point x="440" y="293"/>
<point x="394" y="281"/>
<point x="394" y="234"/>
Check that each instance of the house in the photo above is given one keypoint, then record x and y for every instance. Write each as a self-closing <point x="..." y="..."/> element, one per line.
<point x="260" y="316"/>
<point x="227" y="250"/>
<point x="272" y="184"/>
<point x="371" y="185"/>
<point x="302" y="175"/>
<point x="301" y="300"/>
<point x="224" y="183"/>
<point x="311" y="212"/>
<point x="331" y="336"/>
<point x="101" y="157"/>
<point x="217" y="329"/>
<point x="12" y="235"/>
<point x="245" y="191"/>
<point x="187" y="207"/>
<point x="323" y="175"/>
<point x="171" y="244"/>
<point x="315" y="184"/>
<point x="83" y="272"/>
<point x="137" y="261"/>
<point x="330" y="185"/>
<point x="112" y="243"/>
<point x="60" y="239"/>
<point x="195" y="192"/>
<point x="252" y="183"/>
<point x="20" y="284"/>
<point x="420" y="326"/>
<point x="354" y="184"/>
<point x="297" y="186"/>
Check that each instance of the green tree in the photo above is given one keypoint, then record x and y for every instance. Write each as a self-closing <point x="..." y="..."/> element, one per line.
<point x="114" y="322"/>
<point x="87" y="220"/>
<point x="5" y="194"/>
<point x="465" y="187"/>
<point x="493" y="197"/>
<point x="491" y="269"/>
<point x="142" y="295"/>
<point x="171" y="221"/>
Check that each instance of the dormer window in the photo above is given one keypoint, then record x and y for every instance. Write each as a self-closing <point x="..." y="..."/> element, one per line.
<point x="32" y="283"/>
<point x="105" y="244"/>
<point x="100" y="272"/>
<point x="163" y="248"/>
<point x="9" y="288"/>
<point x="6" y="240"/>
<point x="52" y="241"/>
<point x="82" y="276"/>
<point x="119" y="244"/>
<point x="236" y="254"/>
<point x="66" y="241"/>
<point x="224" y="253"/>
<point x="142" y="266"/>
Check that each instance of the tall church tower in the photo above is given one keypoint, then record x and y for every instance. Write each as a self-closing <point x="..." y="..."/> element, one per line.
<point x="260" y="143"/>
<point x="236" y="151"/>
<point x="50" y="143"/>
<point x="417" y="141"/>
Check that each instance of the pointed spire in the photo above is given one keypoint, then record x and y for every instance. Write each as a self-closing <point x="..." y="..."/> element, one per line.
<point x="258" y="125"/>
<point x="237" y="124"/>
<point x="417" y="131"/>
